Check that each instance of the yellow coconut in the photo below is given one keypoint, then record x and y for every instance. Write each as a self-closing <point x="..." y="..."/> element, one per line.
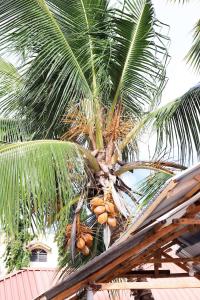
<point x="110" y="207"/>
<point x="80" y="243"/>
<point x="88" y="238"/>
<point x="85" y="251"/>
<point x="96" y="201"/>
<point x="99" y="210"/>
<point x="102" y="219"/>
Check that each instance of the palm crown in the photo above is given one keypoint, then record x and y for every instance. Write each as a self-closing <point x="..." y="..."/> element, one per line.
<point x="89" y="83"/>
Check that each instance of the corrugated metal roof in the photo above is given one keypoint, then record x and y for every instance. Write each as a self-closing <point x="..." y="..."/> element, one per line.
<point x="164" y="294"/>
<point x="176" y="294"/>
<point x="26" y="284"/>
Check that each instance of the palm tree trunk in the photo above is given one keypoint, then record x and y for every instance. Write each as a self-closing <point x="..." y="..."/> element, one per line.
<point x="142" y="294"/>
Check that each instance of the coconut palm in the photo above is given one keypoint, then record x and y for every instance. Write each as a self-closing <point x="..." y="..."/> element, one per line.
<point x="86" y="89"/>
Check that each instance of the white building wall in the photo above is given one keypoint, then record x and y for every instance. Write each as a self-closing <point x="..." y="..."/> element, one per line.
<point x="52" y="254"/>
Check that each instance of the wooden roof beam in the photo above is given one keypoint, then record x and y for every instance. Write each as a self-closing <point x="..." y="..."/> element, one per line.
<point x="149" y="285"/>
<point x="147" y="274"/>
<point x="172" y="260"/>
<point x="181" y="265"/>
<point x="186" y="221"/>
<point x="131" y="263"/>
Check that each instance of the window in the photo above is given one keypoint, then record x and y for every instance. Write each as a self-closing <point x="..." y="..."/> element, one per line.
<point x="38" y="255"/>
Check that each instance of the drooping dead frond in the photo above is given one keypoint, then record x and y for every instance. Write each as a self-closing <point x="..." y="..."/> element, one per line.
<point x="161" y="166"/>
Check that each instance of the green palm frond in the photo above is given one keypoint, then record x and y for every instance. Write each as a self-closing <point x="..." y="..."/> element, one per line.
<point x="151" y="185"/>
<point x="10" y="81"/>
<point x="193" y="56"/>
<point x="138" y="56"/>
<point x="82" y="49"/>
<point x="84" y="24"/>
<point x="54" y="75"/>
<point x="178" y="126"/>
<point x="8" y="69"/>
<point x="36" y="177"/>
<point x="12" y="131"/>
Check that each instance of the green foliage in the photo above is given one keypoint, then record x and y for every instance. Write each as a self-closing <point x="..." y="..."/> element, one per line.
<point x="137" y="41"/>
<point x="10" y="79"/>
<point x="11" y="84"/>
<point x="178" y="126"/>
<point x="104" y="53"/>
<point x="44" y="174"/>
<point x="64" y="255"/>
<point x="17" y="256"/>
<point x="12" y="131"/>
<point x="151" y="185"/>
<point x="193" y="56"/>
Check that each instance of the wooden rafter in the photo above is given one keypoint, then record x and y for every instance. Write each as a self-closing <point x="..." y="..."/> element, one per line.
<point x="173" y="260"/>
<point x="134" y="262"/>
<point x="149" y="285"/>
<point x="181" y="265"/>
<point x="186" y="221"/>
<point x="158" y="263"/>
<point x="193" y="209"/>
<point x="151" y="274"/>
<point x="193" y="191"/>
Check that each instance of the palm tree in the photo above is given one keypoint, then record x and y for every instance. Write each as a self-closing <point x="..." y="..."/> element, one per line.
<point x="86" y="89"/>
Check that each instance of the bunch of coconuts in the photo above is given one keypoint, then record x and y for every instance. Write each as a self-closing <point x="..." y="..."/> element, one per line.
<point x="104" y="210"/>
<point x="84" y="238"/>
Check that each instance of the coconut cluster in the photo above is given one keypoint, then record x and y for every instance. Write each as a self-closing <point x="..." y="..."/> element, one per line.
<point x="104" y="210"/>
<point x="84" y="238"/>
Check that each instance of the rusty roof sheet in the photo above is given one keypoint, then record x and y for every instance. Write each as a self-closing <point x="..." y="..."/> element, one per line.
<point x="26" y="284"/>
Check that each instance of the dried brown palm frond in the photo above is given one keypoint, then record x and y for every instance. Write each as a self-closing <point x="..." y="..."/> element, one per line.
<point x="78" y="125"/>
<point x="119" y="127"/>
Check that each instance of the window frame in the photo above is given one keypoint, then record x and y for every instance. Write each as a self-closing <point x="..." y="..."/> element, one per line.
<point x="38" y="255"/>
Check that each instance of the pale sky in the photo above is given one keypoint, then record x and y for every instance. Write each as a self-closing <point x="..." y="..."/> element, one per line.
<point x="181" y="19"/>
